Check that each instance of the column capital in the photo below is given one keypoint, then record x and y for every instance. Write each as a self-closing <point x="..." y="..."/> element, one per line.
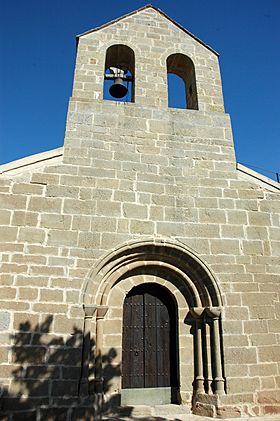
<point x="196" y="312"/>
<point x="213" y="312"/>
<point x="90" y="310"/>
<point x="101" y="312"/>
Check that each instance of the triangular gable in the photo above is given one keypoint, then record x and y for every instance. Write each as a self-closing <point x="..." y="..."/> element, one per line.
<point x="148" y="6"/>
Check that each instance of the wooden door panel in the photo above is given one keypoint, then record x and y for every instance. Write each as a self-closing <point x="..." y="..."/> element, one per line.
<point x="133" y="351"/>
<point x="146" y="339"/>
<point x="150" y="343"/>
<point x="137" y="345"/>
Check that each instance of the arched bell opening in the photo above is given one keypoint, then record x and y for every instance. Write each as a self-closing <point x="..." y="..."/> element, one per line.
<point x="182" y="91"/>
<point x="119" y="74"/>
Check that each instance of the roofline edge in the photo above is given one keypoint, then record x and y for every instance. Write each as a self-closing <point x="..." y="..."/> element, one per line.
<point x="30" y="160"/>
<point x="257" y="176"/>
<point x="139" y="10"/>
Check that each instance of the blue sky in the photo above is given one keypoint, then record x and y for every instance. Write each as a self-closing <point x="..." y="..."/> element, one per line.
<point x="38" y="57"/>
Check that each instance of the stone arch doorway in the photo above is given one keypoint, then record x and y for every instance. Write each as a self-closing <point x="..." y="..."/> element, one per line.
<point x="189" y="280"/>
<point x="149" y="346"/>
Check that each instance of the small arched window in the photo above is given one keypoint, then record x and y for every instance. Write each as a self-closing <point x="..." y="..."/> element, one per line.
<point x="183" y="67"/>
<point x="119" y="74"/>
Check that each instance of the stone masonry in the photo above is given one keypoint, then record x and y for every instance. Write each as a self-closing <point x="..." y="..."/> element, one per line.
<point x="140" y="193"/>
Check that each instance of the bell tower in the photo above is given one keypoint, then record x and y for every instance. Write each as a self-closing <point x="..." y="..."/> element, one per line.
<point x="152" y="167"/>
<point x="121" y="90"/>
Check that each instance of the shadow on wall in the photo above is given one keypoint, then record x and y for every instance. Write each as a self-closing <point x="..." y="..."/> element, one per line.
<point x="47" y="373"/>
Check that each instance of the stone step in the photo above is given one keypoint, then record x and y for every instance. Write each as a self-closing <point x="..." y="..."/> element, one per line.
<point x="170" y="409"/>
<point x="144" y="412"/>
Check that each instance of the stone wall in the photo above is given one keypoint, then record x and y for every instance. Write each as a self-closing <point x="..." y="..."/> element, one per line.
<point x="133" y="172"/>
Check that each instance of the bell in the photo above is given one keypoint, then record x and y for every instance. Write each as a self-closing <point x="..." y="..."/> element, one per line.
<point x="118" y="89"/>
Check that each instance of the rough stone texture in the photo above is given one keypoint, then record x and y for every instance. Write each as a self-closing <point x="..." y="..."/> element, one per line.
<point x="136" y="172"/>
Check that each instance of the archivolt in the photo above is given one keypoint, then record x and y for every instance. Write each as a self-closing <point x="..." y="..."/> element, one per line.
<point x="179" y="265"/>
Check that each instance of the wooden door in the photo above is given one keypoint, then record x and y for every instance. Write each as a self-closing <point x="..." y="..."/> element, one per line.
<point x="147" y="344"/>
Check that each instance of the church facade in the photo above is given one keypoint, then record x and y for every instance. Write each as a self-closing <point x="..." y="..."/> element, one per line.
<point x="140" y="262"/>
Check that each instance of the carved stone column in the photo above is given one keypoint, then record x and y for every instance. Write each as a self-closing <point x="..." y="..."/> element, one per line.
<point x="88" y="344"/>
<point x="101" y="313"/>
<point x="208" y="355"/>
<point x="214" y="314"/>
<point x="196" y="313"/>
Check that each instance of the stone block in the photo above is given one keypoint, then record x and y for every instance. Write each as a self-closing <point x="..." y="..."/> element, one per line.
<point x="225" y="246"/>
<point x="212" y="216"/>
<point x="154" y="188"/>
<point x="42" y="250"/>
<point x="142" y="227"/>
<point x="204" y="410"/>
<point x="237" y="217"/>
<point x="8" y="234"/>
<point x="37" y="281"/>
<point x="236" y="370"/>
<point x="13" y="268"/>
<point x="72" y="296"/>
<point x="252" y="247"/>
<point x="271" y="409"/>
<point x="32" y="235"/>
<point x="63" y="324"/>
<point x="268" y="397"/>
<point x="44" y="271"/>
<point x="255" y="326"/>
<point x="30" y="294"/>
<point x="26" y="322"/>
<point x="102" y="194"/>
<point x="56" y="221"/>
<point x="109" y="240"/>
<point x="265" y="369"/>
<point x="228" y="412"/>
<point x="269" y="353"/>
<point x="8" y="201"/>
<point x="273" y="326"/>
<point x="275" y="248"/>
<point x="135" y="211"/>
<point x="45" y="204"/>
<point x="44" y="179"/>
<point x="241" y="355"/>
<point x="48" y="295"/>
<point x="232" y="231"/>
<point x="248" y="205"/>
<point x="89" y="240"/>
<point x="49" y="308"/>
<point x="257" y="298"/>
<point x="81" y="223"/>
<point x="29" y="259"/>
<point x="257" y="233"/>
<point x="111" y="209"/>
<point x="112" y="340"/>
<point x="259" y="218"/>
<point x="4" y="320"/>
<point x="267" y="383"/>
<point x="62" y="238"/>
<point x="262" y="312"/>
<point x="243" y="385"/>
<point x="26" y="188"/>
<point x="236" y="313"/>
<point x="5" y="217"/>
<point x="79" y="207"/>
